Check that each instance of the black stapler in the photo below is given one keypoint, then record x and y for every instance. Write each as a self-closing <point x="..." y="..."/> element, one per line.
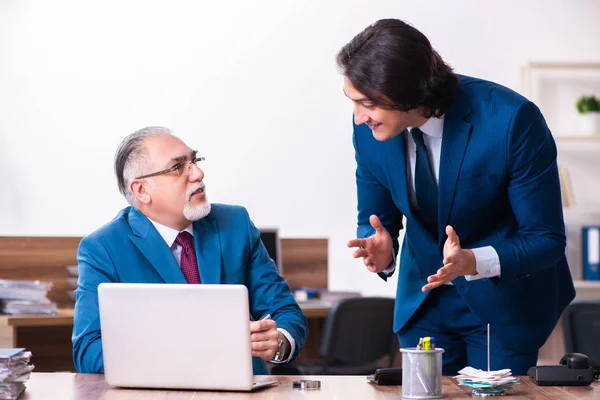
<point x="572" y="371"/>
<point x="386" y="376"/>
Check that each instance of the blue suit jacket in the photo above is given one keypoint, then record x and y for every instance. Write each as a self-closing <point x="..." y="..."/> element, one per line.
<point x="498" y="186"/>
<point x="228" y="250"/>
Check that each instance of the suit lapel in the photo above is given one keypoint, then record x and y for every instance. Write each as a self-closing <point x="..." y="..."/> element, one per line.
<point x="208" y="250"/>
<point x="454" y="145"/>
<point x="147" y="239"/>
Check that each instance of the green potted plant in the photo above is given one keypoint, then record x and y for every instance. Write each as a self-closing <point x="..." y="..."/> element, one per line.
<point x="589" y="108"/>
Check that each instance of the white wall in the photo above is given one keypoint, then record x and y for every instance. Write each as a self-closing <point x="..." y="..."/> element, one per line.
<point x="251" y="84"/>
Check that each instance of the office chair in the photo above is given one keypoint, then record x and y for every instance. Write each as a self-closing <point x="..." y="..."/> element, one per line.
<point x="357" y="334"/>
<point x="581" y="325"/>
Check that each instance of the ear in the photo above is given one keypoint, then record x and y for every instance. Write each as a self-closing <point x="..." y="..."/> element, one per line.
<point x="138" y="188"/>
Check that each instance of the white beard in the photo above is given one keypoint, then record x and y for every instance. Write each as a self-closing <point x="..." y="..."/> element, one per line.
<point x="194" y="213"/>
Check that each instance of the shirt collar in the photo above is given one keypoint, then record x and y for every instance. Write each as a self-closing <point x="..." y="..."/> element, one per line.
<point x="433" y="127"/>
<point x="170" y="234"/>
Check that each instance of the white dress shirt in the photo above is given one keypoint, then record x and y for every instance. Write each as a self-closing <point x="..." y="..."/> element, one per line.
<point x="486" y="258"/>
<point x="170" y="234"/>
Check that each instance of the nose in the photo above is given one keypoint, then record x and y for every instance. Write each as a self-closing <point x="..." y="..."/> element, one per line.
<point x="196" y="173"/>
<point x="359" y="116"/>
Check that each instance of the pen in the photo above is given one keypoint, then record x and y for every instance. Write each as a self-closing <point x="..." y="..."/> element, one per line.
<point x="423" y="372"/>
<point x="266" y="316"/>
<point x="428" y="372"/>
<point x="488" y="345"/>
<point x="420" y="345"/>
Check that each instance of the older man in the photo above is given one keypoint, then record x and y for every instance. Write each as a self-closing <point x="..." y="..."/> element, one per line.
<point x="172" y="234"/>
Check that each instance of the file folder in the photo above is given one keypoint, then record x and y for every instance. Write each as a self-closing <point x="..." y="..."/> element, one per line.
<point x="591" y="253"/>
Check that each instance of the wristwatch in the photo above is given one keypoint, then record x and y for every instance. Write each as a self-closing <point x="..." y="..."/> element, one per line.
<point x="279" y="353"/>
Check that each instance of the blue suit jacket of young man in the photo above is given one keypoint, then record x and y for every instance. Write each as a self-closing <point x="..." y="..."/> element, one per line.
<point x="228" y="250"/>
<point x="498" y="186"/>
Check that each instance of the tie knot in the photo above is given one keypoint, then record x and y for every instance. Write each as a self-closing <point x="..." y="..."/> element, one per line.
<point x="185" y="240"/>
<point x="417" y="136"/>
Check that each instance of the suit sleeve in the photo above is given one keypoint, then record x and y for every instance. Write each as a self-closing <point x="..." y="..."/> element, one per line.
<point x="268" y="292"/>
<point x="535" y="198"/>
<point x="374" y="199"/>
<point x="95" y="266"/>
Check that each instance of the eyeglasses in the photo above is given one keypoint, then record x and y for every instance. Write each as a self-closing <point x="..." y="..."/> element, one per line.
<point x="178" y="168"/>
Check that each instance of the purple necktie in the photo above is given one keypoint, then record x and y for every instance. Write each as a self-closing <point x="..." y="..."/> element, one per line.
<point x="188" y="263"/>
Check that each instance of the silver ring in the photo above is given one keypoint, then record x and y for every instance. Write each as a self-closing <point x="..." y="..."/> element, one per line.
<point x="307" y="384"/>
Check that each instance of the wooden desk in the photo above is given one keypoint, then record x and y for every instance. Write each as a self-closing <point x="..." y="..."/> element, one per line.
<point x="315" y="309"/>
<point x="315" y="313"/>
<point x="60" y="386"/>
<point x="63" y="318"/>
<point x="48" y="337"/>
<point x="304" y="263"/>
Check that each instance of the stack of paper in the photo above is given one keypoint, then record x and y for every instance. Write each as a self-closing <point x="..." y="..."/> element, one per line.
<point x="25" y="297"/>
<point x="14" y="372"/>
<point x="29" y="307"/>
<point x="478" y="379"/>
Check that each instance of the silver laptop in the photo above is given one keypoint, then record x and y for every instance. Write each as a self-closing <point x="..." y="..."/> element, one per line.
<point x="176" y="336"/>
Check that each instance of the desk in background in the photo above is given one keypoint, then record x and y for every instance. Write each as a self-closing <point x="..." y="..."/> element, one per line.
<point x="60" y="386"/>
<point x="315" y="313"/>
<point x="48" y="337"/>
<point x="304" y="263"/>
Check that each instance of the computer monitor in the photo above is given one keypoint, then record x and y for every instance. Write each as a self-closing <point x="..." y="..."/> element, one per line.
<point x="270" y="238"/>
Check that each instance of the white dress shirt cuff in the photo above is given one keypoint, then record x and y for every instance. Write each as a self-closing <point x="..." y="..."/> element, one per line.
<point x="487" y="263"/>
<point x="392" y="267"/>
<point x="292" y="346"/>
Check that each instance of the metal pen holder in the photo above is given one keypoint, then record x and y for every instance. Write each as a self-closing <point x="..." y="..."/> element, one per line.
<point x="421" y="373"/>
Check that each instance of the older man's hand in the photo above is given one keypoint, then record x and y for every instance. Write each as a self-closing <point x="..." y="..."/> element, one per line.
<point x="263" y="338"/>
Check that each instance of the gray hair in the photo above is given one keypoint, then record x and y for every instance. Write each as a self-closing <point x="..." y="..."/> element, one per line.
<point x="131" y="158"/>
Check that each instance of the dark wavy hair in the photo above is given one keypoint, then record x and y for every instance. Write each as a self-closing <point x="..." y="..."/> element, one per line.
<point x="391" y="60"/>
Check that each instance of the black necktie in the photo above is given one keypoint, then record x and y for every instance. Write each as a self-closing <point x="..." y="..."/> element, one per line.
<point x="425" y="186"/>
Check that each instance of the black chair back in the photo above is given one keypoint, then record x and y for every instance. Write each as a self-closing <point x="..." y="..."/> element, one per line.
<point x="358" y="331"/>
<point x="581" y="325"/>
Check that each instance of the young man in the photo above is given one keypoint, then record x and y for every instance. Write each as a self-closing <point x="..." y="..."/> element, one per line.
<point x="471" y="165"/>
<point x="172" y="234"/>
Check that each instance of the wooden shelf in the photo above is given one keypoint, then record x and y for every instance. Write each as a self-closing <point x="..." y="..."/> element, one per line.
<point x="582" y="138"/>
<point x="587" y="290"/>
<point x="581" y="284"/>
<point x="563" y="65"/>
<point x="580" y="210"/>
<point x="63" y="318"/>
<point x="555" y="87"/>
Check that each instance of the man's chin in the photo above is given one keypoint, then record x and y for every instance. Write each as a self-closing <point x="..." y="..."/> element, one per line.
<point x="381" y="137"/>
<point x="195" y="212"/>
